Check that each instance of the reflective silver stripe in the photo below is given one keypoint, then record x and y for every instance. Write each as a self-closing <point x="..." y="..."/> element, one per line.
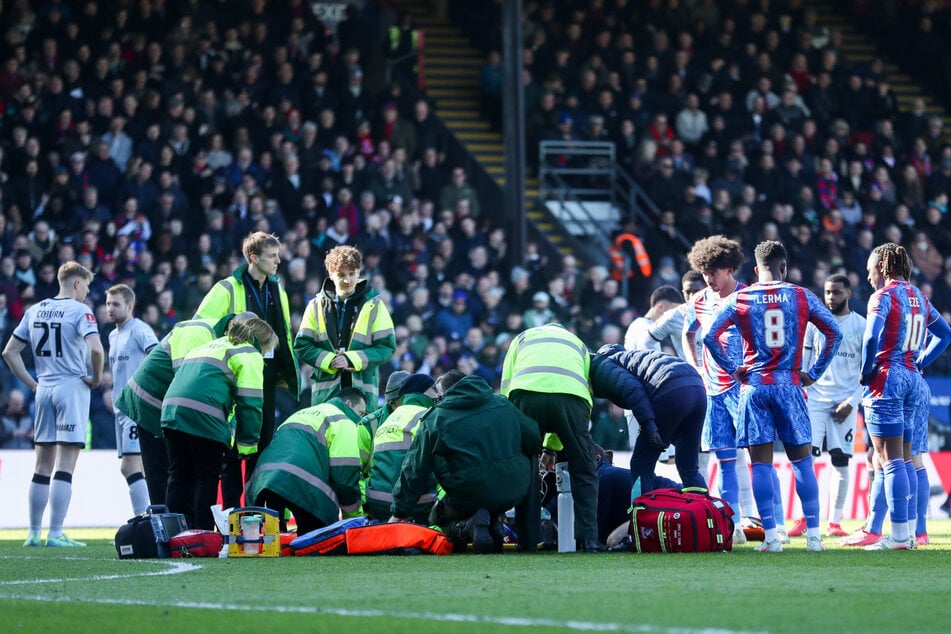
<point x="229" y="286"/>
<point x="344" y="462"/>
<point x="195" y="323"/>
<point x="393" y="446"/>
<point x="382" y="334"/>
<point x="139" y="391"/>
<point x="379" y="496"/>
<point x="558" y="340"/>
<point x="242" y="350"/>
<point x="359" y="337"/>
<point x="320" y="433"/>
<point x="221" y="364"/>
<point x="176" y="363"/>
<point x="366" y="386"/>
<point x="250" y="392"/>
<point x="198" y="406"/>
<point x="307" y="332"/>
<point x="323" y="385"/>
<point x="504" y="387"/>
<point x="297" y="472"/>
<point x="350" y="508"/>
<point x="363" y="357"/>
<point x="426" y="498"/>
<point x="319" y="360"/>
<point x="374" y="311"/>
<point x="166" y="346"/>
<point x="551" y="369"/>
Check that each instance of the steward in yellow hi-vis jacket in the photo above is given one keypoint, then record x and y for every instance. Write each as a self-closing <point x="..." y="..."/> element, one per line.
<point x="545" y="374"/>
<point x="346" y="332"/>
<point x="312" y="465"/>
<point x="216" y="381"/>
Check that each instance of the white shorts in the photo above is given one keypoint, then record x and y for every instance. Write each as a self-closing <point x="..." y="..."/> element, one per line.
<point x="836" y="435"/>
<point x="127" y="436"/>
<point x="62" y="413"/>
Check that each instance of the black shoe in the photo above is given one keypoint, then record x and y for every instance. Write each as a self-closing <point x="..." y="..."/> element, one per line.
<point x="482" y="542"/>
<point x="592" y="546"/>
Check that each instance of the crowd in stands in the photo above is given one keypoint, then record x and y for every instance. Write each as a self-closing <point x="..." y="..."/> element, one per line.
<point x="147" y="139"/>
<point x="745" y="118"/>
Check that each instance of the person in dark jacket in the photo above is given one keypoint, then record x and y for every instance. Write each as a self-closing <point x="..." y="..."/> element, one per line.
<point x="482" y="451"/>
<point x="666" y="396"/>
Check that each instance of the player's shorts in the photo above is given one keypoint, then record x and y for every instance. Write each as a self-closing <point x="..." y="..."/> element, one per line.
<point x="62" y="412"/>
<point x="770" y="411"/>
<point x="922" y="399"/>
<point x="127" y="436"/>
<point x="837" y="435"/>
<point x="892" y="413"/>
<point x="719" y="427"/>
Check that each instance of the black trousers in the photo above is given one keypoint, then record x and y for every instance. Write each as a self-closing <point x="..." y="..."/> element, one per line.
<point x="232" y="480"/>
<point x="679" y="416"/>
<point x="568" y="416"/>
<point x="306" y="521"/>
<point x="155" y="465"/>
<point x="194" y="466"/>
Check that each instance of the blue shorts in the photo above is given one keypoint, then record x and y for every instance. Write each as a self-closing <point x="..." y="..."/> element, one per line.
<point x="896" y="410"/>
<point x="768" y="411"/>
<point x="719" y="425"/>
<point x="922" y="398"/>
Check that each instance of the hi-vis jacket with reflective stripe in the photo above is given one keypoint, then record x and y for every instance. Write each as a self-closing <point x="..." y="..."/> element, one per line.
<point x="313" y="462"/>
<point x="212" y="381"/>
<point x="390" y="444"/>
<point x="547" y="359"/>
<point x="230" y="296"/>
<point x="366" y="336"/>
<point x="141" y="398"/>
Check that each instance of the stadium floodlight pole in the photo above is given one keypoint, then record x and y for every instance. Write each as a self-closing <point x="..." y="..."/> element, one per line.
<point x="513" y="126"/>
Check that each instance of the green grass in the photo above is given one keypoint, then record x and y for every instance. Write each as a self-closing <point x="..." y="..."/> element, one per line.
<point x="841" y="590"/>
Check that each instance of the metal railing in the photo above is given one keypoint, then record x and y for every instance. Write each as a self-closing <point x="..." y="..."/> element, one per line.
<point x="586" y="172"/>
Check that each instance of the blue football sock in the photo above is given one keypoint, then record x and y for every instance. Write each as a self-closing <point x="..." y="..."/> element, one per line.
<point x="878" y="505"/>
<point x="807" y="488"/>
<point x="778" y="511"/>
<point x="924" y="497"/>
<point x="729" y="486"/>
<point x="912" y="493"/>
<point x="896" y="491"/>
<point x="763" y="493"/>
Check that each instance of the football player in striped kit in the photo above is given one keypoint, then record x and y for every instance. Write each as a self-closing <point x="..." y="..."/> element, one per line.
<point x="770" y="317"/>
<point x="895" y="395"/>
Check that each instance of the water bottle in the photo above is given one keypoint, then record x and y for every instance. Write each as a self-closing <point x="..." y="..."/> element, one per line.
<point x="566" y="509"/>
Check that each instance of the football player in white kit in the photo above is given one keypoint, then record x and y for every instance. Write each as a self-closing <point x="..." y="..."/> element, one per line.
<point x="129" y="343"/>
<point x="835" y="396"/>
<point x="59" y="332"/>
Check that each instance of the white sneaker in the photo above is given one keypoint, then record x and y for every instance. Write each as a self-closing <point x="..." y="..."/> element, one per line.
<point x="890" y="543"/>
<point x="814" y="544"/>
<point x="782" y="534"/>
<point x="774" y="546"/>
<point x="739" y="537"/>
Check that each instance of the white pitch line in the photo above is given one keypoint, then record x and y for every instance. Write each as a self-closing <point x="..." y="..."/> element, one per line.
<point x="173" y="568"/>
<point x="580" y="626"/>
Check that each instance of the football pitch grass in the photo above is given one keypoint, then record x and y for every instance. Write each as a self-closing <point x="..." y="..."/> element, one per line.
<point x="841" y="590"/>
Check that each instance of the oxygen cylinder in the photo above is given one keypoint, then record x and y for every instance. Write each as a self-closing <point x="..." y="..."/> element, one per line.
<point x="566" y="509"/>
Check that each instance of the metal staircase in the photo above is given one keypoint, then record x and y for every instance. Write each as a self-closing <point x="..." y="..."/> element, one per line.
<point x="859" y="49"/>
<point x="452" y="80"/>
